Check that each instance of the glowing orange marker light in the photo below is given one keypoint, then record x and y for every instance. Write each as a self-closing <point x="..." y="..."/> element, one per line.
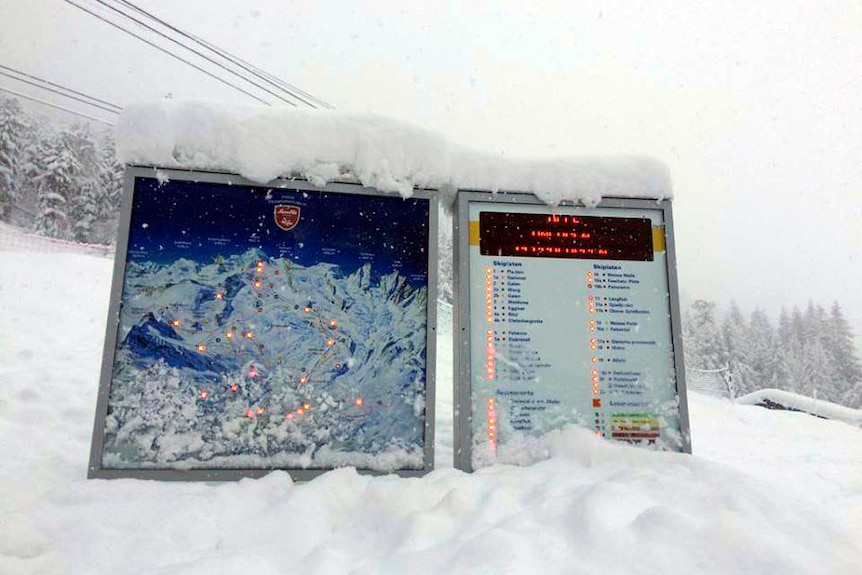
<point x="229" y="334"/>
<point x="258" y="284"/>
<point x="219" y="296"/>
<point x="307" y="309"/>
<point x="358" y="402"/>
<point x="330" y="341"/>
<point x="303" y="380"/>
<point x="202" y="347"/>
<point x="249" y="335"/>
<point x="260" y="410"/>
<point x="333" y="324"/>
<point x="203" y="394"/>
<point x="300" y="411"/>
<point x="175" y="323"/>
<point x="492" y="423"/>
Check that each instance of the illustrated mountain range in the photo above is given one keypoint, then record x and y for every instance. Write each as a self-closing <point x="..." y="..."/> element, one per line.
<point x="262" y="361"/>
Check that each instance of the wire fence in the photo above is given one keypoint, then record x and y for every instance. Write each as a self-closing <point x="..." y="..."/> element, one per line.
<point x="15" y="239"/>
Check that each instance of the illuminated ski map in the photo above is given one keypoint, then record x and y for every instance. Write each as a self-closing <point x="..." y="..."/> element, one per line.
<point x="270" y="328"/>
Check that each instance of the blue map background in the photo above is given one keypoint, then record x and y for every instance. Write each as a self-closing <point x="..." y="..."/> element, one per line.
<point x="180" y="219"/>
<point x="242" y="345"/>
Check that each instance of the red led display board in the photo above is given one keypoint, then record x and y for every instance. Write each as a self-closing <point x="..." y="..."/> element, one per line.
<point x="565" y="236"/>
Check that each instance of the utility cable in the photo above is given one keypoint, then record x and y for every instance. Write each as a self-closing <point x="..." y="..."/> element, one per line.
<point x="20" y="95"/>
<point x="204" y="56"/>
<point x="55" y="91"/>
<point x="49" y="83"/>
<point x="259" y="73"/>
<point x="168" y="52"/>
<point x="270" y="78"/>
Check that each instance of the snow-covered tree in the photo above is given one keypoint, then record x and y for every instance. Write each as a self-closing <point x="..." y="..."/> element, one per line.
<point x="764" y="361"/>
<point x="84" y="208"/>
<point x="27" y="201"/>
<point x="791" y="335"/>
<point x="53" y="171"/>
<point x="839" y="342"/>
<point x="737" y="346"/>
<point x="111" y="188"/>
<point x="704" y="344"/>
<point x="12" y="128"/>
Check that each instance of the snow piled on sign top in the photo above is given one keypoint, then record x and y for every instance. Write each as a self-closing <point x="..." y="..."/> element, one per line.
<point x="263" y="143"/>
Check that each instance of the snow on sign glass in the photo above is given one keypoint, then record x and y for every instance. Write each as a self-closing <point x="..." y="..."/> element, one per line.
<point x="267" y="328"/>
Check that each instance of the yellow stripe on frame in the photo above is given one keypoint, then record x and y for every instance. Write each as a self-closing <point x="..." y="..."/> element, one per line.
<point x="658" y="242"/>
<point x="474" y="233"/>
<point x="658" y="236"/>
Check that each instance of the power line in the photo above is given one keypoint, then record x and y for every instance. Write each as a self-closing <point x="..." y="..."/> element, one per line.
<point x="263" y="74"/>
<point x="55" y="91"/>
<point x="204" y="56"/>
<point x="73" y="112"/>
<point x="259" y="73"/>
<point x="49" y="83"/>
<point x="168" y="52"/>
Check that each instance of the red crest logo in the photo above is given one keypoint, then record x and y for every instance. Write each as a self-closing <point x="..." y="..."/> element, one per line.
<point x="286" y="216"/>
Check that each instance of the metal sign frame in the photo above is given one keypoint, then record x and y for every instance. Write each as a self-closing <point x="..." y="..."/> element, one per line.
<point x="463" y="337"/>
<point x="285" y="219"/>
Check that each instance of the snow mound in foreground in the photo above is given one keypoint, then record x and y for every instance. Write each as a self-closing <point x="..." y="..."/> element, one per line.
<point x="766" y="491"/>
<point x="263" y="143"/>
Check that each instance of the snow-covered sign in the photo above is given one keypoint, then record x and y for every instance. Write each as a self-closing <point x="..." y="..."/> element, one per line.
<point x="567" y="315"/>
<point x="785" y="400"/>
<point x="262" y="143"/>
<point x="253" y="328"/>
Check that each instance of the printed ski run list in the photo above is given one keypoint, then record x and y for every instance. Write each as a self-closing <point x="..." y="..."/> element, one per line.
<point x="575" y="317"/>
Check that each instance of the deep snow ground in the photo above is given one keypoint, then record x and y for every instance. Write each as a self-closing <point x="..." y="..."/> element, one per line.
<point x="764" y="492"/>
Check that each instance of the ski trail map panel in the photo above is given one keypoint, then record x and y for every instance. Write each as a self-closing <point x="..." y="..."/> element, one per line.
<point x="566" y="315"/>
<point x="255" y="328"/>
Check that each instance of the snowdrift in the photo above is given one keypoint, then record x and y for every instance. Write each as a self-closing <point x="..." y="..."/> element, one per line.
<point x="765" y="491"/>
<point x="780" y="399"/>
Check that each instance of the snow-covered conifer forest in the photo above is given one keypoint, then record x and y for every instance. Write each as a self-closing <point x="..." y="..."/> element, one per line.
<point x="809" y="352"/>
<point x="58" y="180"/>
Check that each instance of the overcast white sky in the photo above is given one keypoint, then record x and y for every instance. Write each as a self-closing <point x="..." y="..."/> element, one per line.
<point x="755" y="106"/>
